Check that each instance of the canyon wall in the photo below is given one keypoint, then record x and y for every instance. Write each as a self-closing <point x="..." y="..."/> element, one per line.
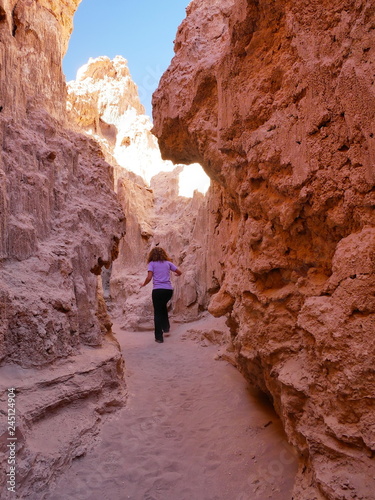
<point x="103" y="102"/>
<point x="276" y="100"/>
<point x="60" y="223"/>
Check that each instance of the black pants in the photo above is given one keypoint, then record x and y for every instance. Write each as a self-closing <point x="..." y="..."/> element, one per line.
<point x="160" y="298"/>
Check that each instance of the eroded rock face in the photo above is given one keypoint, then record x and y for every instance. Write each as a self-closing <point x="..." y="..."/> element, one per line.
<point x="103" y="101"/>
<point x="34" y="38"/>
<point x="60" y="223"/>
<point x="276" y="101"/>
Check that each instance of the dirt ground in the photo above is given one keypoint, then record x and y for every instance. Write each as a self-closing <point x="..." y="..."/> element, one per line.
<point x="191" y="430"/>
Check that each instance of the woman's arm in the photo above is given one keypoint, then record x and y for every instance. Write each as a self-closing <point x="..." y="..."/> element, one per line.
<point x="177" y="272"/>
<point x="148" y="279"/>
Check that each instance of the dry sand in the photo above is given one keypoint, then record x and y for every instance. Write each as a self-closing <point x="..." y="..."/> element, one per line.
<point x="191" y="430"/>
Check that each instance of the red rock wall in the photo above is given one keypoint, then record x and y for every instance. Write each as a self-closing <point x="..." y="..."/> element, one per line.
<point x="277" y="101"/>
<point x="60" y="220"/>
<point x="34" y="37"/>
<point x="60" y="223"/>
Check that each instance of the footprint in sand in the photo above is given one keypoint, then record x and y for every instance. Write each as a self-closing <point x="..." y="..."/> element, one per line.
<point x="171" y="434"/>
<point x="164" y="485"/>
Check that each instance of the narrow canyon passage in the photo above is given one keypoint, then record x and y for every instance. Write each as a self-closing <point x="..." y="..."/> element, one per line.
<point x="275" y="101"/>
<point x="190" y="430"/>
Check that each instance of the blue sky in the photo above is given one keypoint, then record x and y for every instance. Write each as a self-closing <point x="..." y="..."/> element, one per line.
<point x="140" y="30"/>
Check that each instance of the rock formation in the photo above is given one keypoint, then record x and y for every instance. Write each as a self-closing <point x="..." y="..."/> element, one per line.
<point x="60" y="223"/>
<point x="103" y="101"/>
<point x="276" y="101"/>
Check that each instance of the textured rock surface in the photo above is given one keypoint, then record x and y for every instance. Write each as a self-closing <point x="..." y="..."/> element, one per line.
<point x="103" y="101"/>
<point x="276" y="101"/>
<point x="59" y="412"/>
<point x="34" y="37"/>
<point x="60" y="223"/>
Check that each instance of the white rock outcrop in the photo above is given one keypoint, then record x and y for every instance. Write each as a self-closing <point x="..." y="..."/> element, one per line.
<point x="103" y="101"/>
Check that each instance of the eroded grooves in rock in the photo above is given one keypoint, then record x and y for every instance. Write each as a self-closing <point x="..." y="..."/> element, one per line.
<point x="276" y="100"/>
<point x="60" y="223"/>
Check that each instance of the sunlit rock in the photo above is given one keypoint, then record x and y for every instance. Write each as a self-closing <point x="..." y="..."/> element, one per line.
<point x="103" y="101"/>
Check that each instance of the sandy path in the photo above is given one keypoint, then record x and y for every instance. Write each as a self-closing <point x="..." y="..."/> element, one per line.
<point x="191" y="430"/>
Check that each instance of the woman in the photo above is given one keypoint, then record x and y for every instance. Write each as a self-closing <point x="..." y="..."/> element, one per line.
<point x="159" y="268"/>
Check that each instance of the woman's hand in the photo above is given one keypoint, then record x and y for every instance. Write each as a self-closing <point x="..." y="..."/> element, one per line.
<point x="148" y="279"/>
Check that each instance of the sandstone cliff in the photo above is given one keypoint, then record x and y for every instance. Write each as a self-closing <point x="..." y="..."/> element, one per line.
<point x="60" y="223"/>
<point x="276" y="101"/>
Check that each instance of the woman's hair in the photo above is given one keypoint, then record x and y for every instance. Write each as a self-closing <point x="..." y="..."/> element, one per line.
<point x="157" y="253"/>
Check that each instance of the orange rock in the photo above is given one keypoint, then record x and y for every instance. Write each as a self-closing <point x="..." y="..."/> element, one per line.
<point x="276" y="101"/>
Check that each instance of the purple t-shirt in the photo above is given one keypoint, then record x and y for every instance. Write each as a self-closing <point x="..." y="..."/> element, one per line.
<point x="161" y="273"/>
